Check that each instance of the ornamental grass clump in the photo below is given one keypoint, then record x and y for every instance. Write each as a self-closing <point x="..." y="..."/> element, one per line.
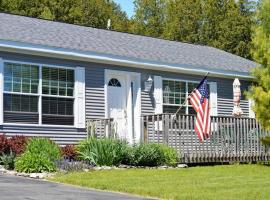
<point x="40" y="156"/>
<point x="103" y="152"/>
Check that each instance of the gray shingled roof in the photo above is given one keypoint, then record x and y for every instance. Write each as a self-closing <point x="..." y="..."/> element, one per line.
<point x="111" y="43"/>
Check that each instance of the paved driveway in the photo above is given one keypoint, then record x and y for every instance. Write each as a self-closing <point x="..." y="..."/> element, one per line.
<point x="18" y="188"/>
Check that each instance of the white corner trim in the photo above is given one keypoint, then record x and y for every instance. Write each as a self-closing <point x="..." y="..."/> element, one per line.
<point x="1" y="91"/>
<point x="41" y="50"/>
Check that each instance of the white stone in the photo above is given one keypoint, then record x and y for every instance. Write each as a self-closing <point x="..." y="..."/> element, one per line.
<point x="11" y="172"/>
<point x="86" y="170"/>
<point x="33" y="175"/>
<point x="97" y="168"/>
<point x="106" y="168"/>
<point x="23" y="174"/>
<point x="42" y="175"/>
<point x="163" y="167"/>
<point x="182" y="166"/>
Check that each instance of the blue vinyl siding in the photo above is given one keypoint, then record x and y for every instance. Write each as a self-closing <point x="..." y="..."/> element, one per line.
<point x="95" y="96"/>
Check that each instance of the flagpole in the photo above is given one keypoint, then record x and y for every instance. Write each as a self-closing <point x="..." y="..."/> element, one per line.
<point x="187" y="98"/>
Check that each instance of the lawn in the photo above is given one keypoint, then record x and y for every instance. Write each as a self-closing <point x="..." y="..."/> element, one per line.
<point x="218" y="182"/>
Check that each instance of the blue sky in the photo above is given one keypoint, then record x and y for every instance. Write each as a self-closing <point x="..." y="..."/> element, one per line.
<point x="126" y="5"/>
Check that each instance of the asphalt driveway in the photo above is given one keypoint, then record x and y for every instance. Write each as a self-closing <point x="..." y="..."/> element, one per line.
<point x="18" y="188"/>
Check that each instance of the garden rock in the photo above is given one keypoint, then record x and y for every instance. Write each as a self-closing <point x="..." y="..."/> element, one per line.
<point x="2" y="169"/>
<point x="23" y="174"/>
<point x="11" y="172"/>
<point x="182" y="166"/>
<point x="106" y="168"/>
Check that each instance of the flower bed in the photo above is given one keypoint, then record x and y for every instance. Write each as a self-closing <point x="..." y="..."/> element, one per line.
<point x="39" y="157"/>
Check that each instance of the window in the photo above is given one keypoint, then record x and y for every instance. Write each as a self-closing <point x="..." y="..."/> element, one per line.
<point x="22" y="95"/>
<point x="174" y="95"/>
<point x="114" y="82"/>
<point x="57" y="96"/>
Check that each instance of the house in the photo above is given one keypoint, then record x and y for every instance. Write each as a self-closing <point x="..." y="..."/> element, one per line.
<point x="56" y="76"/>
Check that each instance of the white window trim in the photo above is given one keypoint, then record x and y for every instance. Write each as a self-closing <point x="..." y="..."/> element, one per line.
<point x="39" y="94"/>
<point x="186" y="81"/>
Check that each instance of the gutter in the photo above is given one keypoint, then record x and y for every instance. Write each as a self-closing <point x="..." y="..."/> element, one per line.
<point x="42" y="50"/>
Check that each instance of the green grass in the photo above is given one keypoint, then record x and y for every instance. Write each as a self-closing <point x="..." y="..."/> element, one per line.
<point x="218" y="182"/>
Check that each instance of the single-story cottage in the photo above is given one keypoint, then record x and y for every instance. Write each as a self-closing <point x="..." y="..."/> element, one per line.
<point x="56" y="76"/>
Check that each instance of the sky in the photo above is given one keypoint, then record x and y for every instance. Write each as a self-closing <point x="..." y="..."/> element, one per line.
<point x="127" y="6"/>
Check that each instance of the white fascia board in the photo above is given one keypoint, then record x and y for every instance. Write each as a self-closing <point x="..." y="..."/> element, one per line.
<point x="42" y="50"/>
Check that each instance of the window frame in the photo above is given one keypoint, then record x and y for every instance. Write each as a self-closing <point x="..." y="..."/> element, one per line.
<point x="187" y="105"/>
<point x="39" y="93"/>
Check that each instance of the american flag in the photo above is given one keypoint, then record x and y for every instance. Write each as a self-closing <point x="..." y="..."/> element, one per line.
<point x="199" y="99"/>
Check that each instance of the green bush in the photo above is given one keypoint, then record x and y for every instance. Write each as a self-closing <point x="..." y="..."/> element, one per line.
<point x="34" y="163"/>
<point x="152" y="154"/>
<point x="8" y="160"/>
<point x="45" y="147"/>
<point x="39" y="156"/>
<point x="103" y="151"/>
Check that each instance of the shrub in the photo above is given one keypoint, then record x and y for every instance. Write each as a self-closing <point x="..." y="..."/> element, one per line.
<point x="44" y="147"/>
<point x="170" y="156"/>
<point x="39" y="156"/>
<point x="17" y="144"/>
<point x="103" y="151"/>
<point x="153" y="155"/>
<point x="266" y="141"/>
<point x="8" y="160"/>
<point x="69" y="152"/>
<point x="4" y="145"/>
<point x="34" y="163"/>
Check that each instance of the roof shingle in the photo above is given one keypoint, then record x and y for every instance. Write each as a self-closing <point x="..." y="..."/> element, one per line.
<point x="128" y="46"/>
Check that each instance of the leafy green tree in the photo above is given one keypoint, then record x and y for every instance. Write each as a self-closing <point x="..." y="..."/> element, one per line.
<point x="183" y="20"/>
<point x="260" y="92"/>
<point x="149" y="17"/>
<point x="94" y="13"/>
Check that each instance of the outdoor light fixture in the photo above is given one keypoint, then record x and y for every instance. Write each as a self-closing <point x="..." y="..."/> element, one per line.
<point x="148" y="84"/>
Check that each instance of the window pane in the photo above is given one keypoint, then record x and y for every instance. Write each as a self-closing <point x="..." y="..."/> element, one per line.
<point x="33" y="104"/>
<point x="8" y="84"/>
<point x="57" y="81"/>
<point x="25" y="104"/>
<point x="57" y="111"/>
<point x="20" y="109"/>
<point x="18" y="78"/>
<point x="45" y="80"/>
<point x="7" y="102"/>
<point x="16" y="103"/>
<point x="26" y="85"/>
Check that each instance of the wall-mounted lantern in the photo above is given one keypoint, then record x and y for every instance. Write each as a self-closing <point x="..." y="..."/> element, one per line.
<point x="148" y="84"/>
<point x="237" y="111"/>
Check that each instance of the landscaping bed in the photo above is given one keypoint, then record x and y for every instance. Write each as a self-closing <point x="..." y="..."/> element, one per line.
<point x="40" y="157"/>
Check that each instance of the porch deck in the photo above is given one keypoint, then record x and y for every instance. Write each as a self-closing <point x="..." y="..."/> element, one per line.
<point x="232" y="140"/>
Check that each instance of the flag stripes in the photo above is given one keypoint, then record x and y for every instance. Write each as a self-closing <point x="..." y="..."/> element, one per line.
<point x="199" y="99"/>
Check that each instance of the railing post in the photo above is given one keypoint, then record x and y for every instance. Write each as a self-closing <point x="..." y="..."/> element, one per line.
<point x="166" y="129"/>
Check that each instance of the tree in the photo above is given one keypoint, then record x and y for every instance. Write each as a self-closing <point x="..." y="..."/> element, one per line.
<point x="260" y="92"/>
<point x="183" y="20"/>
<point x="149" y="17"/>
<point x="227" y="25"/>
<point x="94" y="13"/>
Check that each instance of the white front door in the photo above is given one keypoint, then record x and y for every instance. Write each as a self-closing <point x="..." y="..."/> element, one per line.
<point x="117" y="103"/>
<point x="123" y="97"/>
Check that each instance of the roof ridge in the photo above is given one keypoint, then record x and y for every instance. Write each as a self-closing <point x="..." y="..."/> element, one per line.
<point x="106" y="30"/>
